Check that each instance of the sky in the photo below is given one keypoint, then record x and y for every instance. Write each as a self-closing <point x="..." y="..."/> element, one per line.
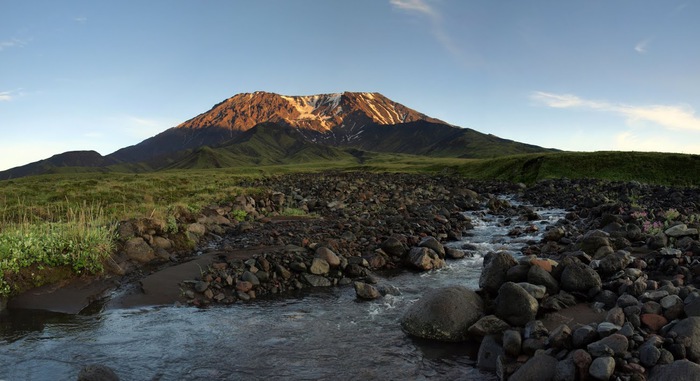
<point x="574" y="75"/>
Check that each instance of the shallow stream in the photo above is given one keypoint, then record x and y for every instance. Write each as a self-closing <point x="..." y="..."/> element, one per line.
<point x="313" y="335"/>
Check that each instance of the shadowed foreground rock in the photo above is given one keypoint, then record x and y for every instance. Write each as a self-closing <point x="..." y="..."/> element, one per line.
<point x="443" y="314"/>
<point x="97" y="373"/>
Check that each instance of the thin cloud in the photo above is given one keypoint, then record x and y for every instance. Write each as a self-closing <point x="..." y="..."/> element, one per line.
<point x="678" y="118"/>
<point x="642" y="46"/>
<point x="80" y="20"/>
<point x="424" y="8"/>
<point x="12" y="43"/>
<point x="6" y="96"/>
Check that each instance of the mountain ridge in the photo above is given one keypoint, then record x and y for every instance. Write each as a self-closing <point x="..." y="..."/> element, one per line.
<point x="361" y="121"/>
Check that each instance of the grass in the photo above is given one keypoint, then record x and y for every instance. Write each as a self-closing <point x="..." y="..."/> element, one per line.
<point x="65" y="221"/>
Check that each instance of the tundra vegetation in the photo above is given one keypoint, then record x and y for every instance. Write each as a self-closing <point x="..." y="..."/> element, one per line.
<point x="57" y="226"/>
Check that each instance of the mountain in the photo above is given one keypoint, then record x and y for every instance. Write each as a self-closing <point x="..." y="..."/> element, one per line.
<point x="83" y="159"/>
<point x="309" y="127"/>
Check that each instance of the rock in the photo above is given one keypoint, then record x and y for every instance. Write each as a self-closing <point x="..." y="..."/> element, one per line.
<point x="393" y="247"/>
<point x="282" y="271"/>
<point x="538" y="368"/>
<point x="138" y="250"/>
<point x="537" y="292"/>
<point x="515" y="305"/>
<point x="594" y="240"/>
<point x="197" y="229"/>
<point x="583" y="336"/>
<point x="690" y="327"/>
<point x="670" y="301"/>
<point x="162" y="243"/>
<point x="649" y="355"/>
<point x="680" y="230"/>
<point x="443" y="314"/>
<point x="425" y="259"/>
<point x="512" y="342"/>
<point x="566" y="370"/>
<point x="583" y="361"/>
<point x="454" y="253"/>
<point x="580" y="278"/>
<point x="97" y="373"/>
<point x="653" y="321"/>
<point x="299" y="267"/>
<point x="615" y="262"/>
<point x="677" y="370"/>
<point x="489" y="350"/>
<point x="616" y="316"/>
<point x="517" y="273"/>
<point x="319" y="266"/>
<point x="366" y="291"/>
<point x="558" y="302"/>
<point x="539" y="276"/>
<point x="560" y="337"/>
<point x="692" y="306"/>
<point x="488" y="325"/>
<point x="316" y="280"/>
<point x="201" y="286"/>
<point x="496" y="267"/>
<point x="606" y="329"/>
<point x="602" y="368"/>
<point x="250" y="277"/>
<point x="434" y="245"/>
<point x="243" y="286"/>
<point x="613" y="345"/>
<point x="328" y="255"/>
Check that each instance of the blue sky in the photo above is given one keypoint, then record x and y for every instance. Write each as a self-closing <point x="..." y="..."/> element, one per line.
<point x="574" y="75"/>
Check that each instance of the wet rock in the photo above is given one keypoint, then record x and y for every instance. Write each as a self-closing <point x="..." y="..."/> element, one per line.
<point x="434" y="245"/>
<point x="366" y="291"/>
<point x="443" y="314"/>
<point x="423" y="258"/>
<point x="97" y="373"/>
<point x="495" y="269"/>
<point x="515" y="305"/>
<point x="454" y="253"/>
<point x="393" y="247"/>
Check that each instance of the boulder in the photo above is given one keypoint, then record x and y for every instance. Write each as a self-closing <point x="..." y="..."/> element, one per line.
<point x="495" y="269"/>
<point x="677" y="370"/>
<point x="316" y="280"/>
<point x="602" y="368"/>
<point x="580" y="278"/>
<point x="488" y="325"/>
<point x="514" y="305"/>
<point x="138" y="250"/>
<point x="594" y="240"/>
<point x="366" y="291"/>
<point x="615" y="262"/>
<point x="538" y="275"/>
<point x="537" y="292"/>
<point x="680" y="230"/>
<point x="394" y="247"/>
<point x="425" y="259"/>
<point x="512" y="342"/>
<point x="538" y="368"/>
<point x="613" y="345"/>
<point x="489" y="350"/>
<point x="443" y="314"/>
<point x="319" y="266"/>
<point x="690" y="327"/>
<point x="328" y="255"/>
<point x="434" y="245"/>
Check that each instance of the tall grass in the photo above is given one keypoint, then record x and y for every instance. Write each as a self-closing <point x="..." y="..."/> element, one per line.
<point x="79" y="238"/>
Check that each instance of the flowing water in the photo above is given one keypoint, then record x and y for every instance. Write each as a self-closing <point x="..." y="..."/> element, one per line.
<point x="315" y="334"/>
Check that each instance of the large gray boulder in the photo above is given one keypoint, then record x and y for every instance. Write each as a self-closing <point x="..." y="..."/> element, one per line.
<point x="677" y="370"/>
<point x="690" y="328"/>
<point x="580" y="278"/>
<point x="496" y="267"/>
<point x="515" y="305"/>
<point x="443" y="314"/>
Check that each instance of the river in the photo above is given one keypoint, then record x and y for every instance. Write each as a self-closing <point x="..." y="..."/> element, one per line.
<point x="313" y="335"/>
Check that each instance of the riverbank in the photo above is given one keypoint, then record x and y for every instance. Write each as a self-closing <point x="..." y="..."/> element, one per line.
<point x="633" y="244"/>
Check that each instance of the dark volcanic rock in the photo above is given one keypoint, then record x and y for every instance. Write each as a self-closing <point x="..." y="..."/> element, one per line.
<point x="443" y="314"/>
<point x="514" y="305"/>
<point x="496" y="267"/>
